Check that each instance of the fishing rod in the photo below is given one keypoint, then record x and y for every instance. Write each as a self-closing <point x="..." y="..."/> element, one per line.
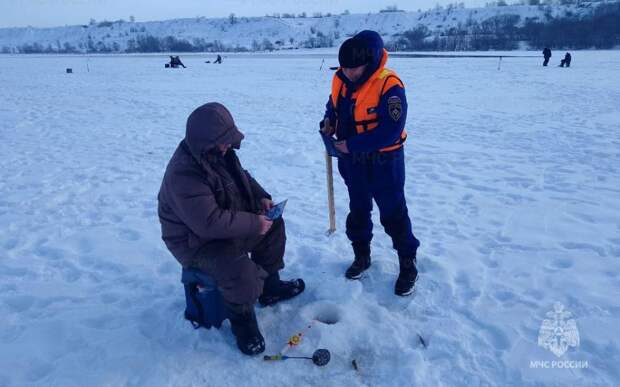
<point x="320" y="357"/>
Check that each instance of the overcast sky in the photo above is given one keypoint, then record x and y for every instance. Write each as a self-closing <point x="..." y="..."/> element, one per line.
<point x="48" y="13"/>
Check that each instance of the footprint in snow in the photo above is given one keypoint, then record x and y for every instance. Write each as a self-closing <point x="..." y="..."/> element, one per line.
<point x="584" y="246"/>
<point x="490" y="263"/>
<point x="128" y="235"/>
<point x="50" y="252"/>
<point x="19" y="303"/>
<point x="168" y="267"/>
<point x="38" y="369"/>
<point x="561" y="263"/>
<point x="503" y="296"/>
<point x="11" y="244"/>
<point x="109" y="298"/>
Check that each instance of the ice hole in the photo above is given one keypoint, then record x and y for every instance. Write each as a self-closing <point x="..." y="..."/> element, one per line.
<point x="328" y="314"/>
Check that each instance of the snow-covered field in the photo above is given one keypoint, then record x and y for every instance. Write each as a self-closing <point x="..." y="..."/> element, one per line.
<point x="513" y="189"/>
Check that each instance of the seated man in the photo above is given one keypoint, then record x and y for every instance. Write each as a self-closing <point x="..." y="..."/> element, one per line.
<point x="566" y="60"/>
<point x="175" y="61"/>
<point x="212" y="218"/>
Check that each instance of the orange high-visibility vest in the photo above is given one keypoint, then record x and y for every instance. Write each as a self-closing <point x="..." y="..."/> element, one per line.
<point x="367" y="99"/>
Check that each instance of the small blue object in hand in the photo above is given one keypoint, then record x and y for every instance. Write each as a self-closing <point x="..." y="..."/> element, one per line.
<point x="276" y="211"/>
<point x="330" y="145"/>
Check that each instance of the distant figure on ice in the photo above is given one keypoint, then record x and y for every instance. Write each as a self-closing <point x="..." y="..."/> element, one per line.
<point x="367" y="111"/>
<point x="218" y="60"/>
<point x="566" y="60"/>
<point x="547" y="54"/>
<point x="175" y="62"/>
<point x="212" y="219"/>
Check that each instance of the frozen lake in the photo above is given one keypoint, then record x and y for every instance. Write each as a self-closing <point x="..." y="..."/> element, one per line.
<point x="513" y="187"/>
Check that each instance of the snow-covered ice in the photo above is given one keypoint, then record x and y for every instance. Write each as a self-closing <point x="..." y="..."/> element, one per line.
<point x="513" y="189"/>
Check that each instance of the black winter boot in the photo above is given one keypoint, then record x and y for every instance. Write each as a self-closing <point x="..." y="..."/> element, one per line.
<point x="361" y="262"/>
<point x="245" y="328"/>
<point x="407" y="277"/>
<point x="276" y="290"/>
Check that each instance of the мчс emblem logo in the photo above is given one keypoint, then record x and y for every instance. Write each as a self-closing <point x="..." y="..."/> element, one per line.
<point x="558" y="333"/>
<point x="395" y="107"/>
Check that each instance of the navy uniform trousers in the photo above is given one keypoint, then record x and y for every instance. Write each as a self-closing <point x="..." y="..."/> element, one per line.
<point x="378" y="176"/>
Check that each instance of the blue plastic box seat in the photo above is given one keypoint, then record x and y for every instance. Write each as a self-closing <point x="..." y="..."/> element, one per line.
<point x="204" y="304"/>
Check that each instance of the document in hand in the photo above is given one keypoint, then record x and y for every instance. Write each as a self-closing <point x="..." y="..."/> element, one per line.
<point x="276" y="211"/>
<point x="330" y="145"/>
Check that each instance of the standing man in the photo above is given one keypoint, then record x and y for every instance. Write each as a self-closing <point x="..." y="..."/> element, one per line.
<point x="547" y="54"/>
<point x="212" y="215"/>
<point x="366" y="111"/>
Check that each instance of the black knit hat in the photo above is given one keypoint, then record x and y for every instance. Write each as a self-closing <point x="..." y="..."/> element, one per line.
<point x="354" y="52"/>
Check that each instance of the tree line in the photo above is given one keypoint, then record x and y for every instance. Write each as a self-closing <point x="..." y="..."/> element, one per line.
<point x="600" y="30"/>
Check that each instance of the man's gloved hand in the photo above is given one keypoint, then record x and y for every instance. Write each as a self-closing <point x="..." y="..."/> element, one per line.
<point x="326" y="127"/>
<point x="342" y="146"/>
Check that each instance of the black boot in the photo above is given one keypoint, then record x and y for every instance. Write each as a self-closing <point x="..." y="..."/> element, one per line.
<point x="361" y="262"/>
<point x="408" y="276"/>
<point x="276" y="290"/>
<point x="245" y="328"/>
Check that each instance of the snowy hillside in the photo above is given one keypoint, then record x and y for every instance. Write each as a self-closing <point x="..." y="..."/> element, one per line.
<point x="238" y="33"/>
<point x="512" y="184"/>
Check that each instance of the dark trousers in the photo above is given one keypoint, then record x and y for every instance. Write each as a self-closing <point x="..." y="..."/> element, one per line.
<point x="241" y="279"/>
<point x="564" y="62"/>
<point x="378" y="176"/>
<point x="546" y="62"/>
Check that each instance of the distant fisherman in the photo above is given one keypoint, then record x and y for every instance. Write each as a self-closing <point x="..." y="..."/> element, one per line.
<point x="566" y="60"/>
<point x="175" y="62"/>
<point x="547" y="54"/>
<point x="367" y="110"/>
